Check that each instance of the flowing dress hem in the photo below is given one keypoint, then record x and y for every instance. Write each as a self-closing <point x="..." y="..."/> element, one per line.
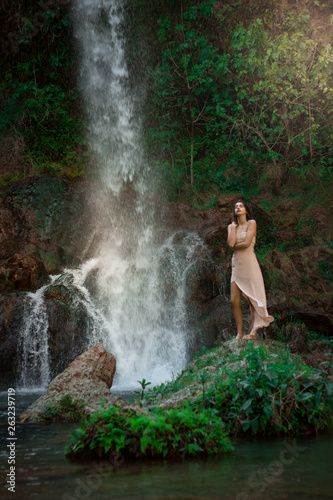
<point x="265" y="318"/>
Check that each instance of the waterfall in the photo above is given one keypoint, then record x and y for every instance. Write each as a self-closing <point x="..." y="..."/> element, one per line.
<point x="146" y="324"/>
<point x="134" y="286"/>
<point x="35" y="369"/>
<point x="114" y="126"/>
<point x="143" y="303"/>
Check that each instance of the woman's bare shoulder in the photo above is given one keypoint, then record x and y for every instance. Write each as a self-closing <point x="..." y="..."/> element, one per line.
<point x="252" y="222"/>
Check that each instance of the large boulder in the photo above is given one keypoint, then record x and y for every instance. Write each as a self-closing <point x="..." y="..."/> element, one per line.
<point x="88" y="378"/>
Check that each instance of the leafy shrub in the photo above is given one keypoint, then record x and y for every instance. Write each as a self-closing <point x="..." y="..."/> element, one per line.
<point x="66" y="409"/>
<point x="157" y="434"/>
<point x="262" y="390"/>
<point x="272" y="394"/>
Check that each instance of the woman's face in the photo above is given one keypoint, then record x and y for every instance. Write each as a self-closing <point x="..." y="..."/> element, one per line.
<point x="239" y="208"/>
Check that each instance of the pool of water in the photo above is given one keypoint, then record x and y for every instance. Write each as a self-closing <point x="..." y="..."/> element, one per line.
<point x="278" y="469"/>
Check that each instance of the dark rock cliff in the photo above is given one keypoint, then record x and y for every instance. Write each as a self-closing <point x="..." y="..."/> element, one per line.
<point x="46" y="226"/>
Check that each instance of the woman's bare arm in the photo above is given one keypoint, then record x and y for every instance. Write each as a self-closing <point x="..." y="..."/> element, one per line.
<point x="251" y="231"/>
<point x="232" y="235"/>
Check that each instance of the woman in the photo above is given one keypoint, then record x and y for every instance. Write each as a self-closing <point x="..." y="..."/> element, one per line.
<point x="246" y="277"/>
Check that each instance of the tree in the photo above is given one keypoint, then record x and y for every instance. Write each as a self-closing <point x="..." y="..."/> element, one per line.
<point x="282" y="86"/>
<point x="185" y="79"/>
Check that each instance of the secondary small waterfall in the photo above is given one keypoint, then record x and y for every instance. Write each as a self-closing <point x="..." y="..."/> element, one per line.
<point x="136" y="280"/>
<point x="35" y="370"/>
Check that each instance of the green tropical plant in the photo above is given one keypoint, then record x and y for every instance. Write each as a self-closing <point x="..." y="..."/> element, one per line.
<point x="143" y="384"/>
<point x="182" y="432"/>
<point x="273" y="394"/>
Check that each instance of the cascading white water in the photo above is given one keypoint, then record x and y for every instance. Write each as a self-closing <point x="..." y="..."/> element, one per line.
<point x="35" y="369"/>
<point x="136" y="281"/>
<point x="146" y="323"/>
<point x="35" y="336"/>
<point x="114" y="127"/>
<point x="143" y="303"/>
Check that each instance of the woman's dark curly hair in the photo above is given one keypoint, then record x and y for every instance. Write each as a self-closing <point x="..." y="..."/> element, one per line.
<point x="247" y="208"/>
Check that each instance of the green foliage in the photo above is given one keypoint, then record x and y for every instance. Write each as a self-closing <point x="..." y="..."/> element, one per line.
<point x="272" y="394"/>
<point x="320" y="337"/>
<point x="278" y="79"/>
<point x="184" y="88"/>
<point x="143" y="384"/>
<point x="227" y="106"/>
<point x="8" y="180"/>
<point x="160" y="433"/>
<point x="39" y="105"/>
<point x="45" y="119"/>
<point x="203" y="378"/>
<point x="66" y="409"/>
<point x="255" y="390"/>
<point x="325" y="269"/>
<point x="72" y="164"/>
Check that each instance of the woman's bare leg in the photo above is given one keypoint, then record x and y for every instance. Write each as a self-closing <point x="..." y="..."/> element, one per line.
<point x="235" y="296"/>
<point x="253" y="332"/>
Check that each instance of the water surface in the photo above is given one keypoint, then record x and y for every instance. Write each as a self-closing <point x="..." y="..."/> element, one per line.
<point x="255" y="470"/>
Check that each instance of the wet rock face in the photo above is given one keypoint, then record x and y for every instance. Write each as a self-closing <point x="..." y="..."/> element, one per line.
<point x="23" y="272"/>
<point x="69" y="326"/>
<point x="9" y="233"/>
<point x="11" y="318"/>
<point x="207" y="307"/>
<point x="45" y="216"/>
<point x="88" y="378"/>
<point x="298" y="336"/>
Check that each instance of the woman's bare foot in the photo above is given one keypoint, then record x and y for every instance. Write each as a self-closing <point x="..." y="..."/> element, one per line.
<point x="250" y="336"/>
<point x="239" y="336"/>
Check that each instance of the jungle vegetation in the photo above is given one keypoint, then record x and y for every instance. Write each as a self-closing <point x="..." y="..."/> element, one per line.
<point x="239" y="94"/>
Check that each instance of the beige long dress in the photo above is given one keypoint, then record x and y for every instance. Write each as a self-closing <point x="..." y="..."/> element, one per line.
<point x="247" y="275"/>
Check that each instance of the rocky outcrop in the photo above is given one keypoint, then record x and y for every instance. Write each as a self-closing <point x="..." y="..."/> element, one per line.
<point x="87" y="379"/>
<point x="45" y="216"/>
<point x="23" y="272"/>
<point x="70" y="327"/>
